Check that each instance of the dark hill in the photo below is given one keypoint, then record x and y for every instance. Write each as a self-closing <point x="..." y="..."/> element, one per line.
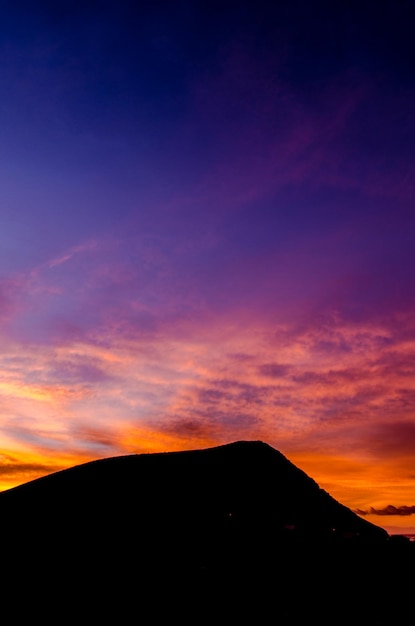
<point x="246" y="483"/>
<point x="228" y="526"/>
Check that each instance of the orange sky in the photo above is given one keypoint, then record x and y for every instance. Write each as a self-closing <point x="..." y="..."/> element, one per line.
<point x="216" y="385"/>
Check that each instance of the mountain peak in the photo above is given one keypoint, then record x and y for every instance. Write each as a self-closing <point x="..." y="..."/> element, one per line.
<point x="174" y="521"/>
<point x="250" y="478"/>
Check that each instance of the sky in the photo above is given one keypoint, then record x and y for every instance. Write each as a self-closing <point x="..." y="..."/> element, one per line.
<point x="207" y="231"/>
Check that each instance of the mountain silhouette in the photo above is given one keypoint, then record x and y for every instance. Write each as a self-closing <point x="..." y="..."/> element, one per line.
<point x="233" y="528"/>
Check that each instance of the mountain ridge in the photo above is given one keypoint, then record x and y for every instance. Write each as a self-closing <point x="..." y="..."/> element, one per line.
<point x="263" y="473"/>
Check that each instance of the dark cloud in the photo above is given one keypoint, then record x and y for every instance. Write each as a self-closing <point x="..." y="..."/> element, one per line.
<point x="96" y="437"/>
<point x="241" y="356"/>
<point x="210" y="424"/>
<point x="395" y="438"/>
<point x="274" y="370"/>
<point x="329" y="377"/>
<point x="331" y="346"/>
<point x="402" y="403"/>
<point x="11" y="467"/>
<point x="243" y="393"/>
<point x="209" y="396"/>
<point x="395" y="362"/>
<point x="388" y="510"/>
<point x="192" y="427"/>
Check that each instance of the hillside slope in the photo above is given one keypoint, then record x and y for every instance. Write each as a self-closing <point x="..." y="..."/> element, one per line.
<point x="236" y="525"/>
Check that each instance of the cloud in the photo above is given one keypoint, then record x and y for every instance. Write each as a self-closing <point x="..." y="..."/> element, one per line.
<point x="12" y="467"/>
<point x="211" y="427"/>
<point x="103" y="441"/>
<point x="85" y="247"/>
<point x="274" y="370"/>
<point x="19" y="468"/>
<point x="12" y="290"/>
<point x="395" y="436"/>
<point x="78" y="370"/>
<point x="388" y="510"/>
<point x="329" y="377"/>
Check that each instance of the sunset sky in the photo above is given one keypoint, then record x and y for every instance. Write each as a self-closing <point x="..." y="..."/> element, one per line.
<point x="207" y="234"/>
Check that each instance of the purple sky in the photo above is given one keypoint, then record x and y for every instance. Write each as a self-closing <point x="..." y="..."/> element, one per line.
<point x="207" y="234"/>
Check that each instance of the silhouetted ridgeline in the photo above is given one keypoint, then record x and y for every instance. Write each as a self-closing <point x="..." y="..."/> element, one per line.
<point x="235" y="528"/>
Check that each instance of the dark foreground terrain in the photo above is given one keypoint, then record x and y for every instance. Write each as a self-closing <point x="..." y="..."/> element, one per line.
<point x="230" y="534"/>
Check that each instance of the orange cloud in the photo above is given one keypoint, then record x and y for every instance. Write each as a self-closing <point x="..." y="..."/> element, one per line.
<point x="331" y="409"/>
